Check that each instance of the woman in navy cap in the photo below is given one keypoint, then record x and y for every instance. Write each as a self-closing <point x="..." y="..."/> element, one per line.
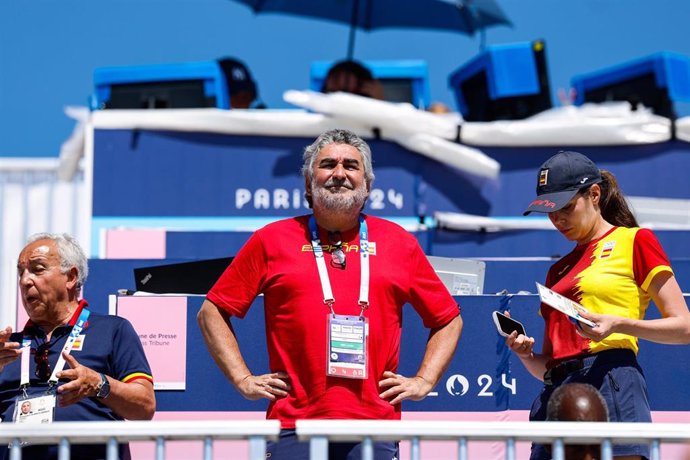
<point x="614" y="271"/>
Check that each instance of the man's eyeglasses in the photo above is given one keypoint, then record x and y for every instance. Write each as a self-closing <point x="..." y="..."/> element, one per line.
<point x="43" y="370"/>
<point x="337" y="254"/>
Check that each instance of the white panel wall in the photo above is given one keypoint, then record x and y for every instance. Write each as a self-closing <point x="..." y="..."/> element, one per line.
<point x="33" y="199"/>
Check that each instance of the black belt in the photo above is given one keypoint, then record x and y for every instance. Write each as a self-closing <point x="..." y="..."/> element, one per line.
<point x="564" y="368"/>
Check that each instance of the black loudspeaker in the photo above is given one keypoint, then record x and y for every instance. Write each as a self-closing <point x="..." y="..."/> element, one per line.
<point x="195" y="277"/>
<point x="504" y="82"/>
<point x="655" y="81"/>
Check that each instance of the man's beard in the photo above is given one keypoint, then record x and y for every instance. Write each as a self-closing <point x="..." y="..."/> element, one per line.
<point x="346" y="199"/>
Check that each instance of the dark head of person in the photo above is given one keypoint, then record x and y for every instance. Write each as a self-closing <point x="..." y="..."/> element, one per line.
<point x="567" y="174"/>
<point x="350" y="77"/>
<point x="242" y="88"/>
<point x="578" y="402"/>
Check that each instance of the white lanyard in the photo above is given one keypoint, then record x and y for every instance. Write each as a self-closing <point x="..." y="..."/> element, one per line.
<point x="328" y="298"/>
<point x="66" y="349"/>
<point x="26" y="352"/>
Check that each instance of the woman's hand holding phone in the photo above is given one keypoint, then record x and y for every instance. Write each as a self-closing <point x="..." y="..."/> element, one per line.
<point x="515" y="334"/>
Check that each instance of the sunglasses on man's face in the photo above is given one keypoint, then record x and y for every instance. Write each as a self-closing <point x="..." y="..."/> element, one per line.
<point x="43" y="370"/>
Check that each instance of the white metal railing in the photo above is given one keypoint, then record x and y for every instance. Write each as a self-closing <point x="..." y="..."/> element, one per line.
<point x="34" y="199"/>
<point x="320" y="432"/>
<point x="63" y="434"/>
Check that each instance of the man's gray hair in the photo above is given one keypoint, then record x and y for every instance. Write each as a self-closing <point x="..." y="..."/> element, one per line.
<point x="337" y="136"/>
<point x="71" y="254"/>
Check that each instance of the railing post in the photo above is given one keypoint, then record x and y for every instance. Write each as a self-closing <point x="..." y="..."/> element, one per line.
<point x="606" y="450"/>
<point x="510" y="449"/>
<point x="113" y="449"/>
<point x="655" y="450"/>
<point x="558" y="449"/>
<point x="318" y="448"/>
<point x="257" y="448"/>
<point x="16" y="450"/>
<point x="63" y="449"/>
<point x="367" y="449"/>
<point x="160" y="448"/>
<point x="462" y="449"/>
<point x="208" y="448"/>
<point x="414" y="449"/>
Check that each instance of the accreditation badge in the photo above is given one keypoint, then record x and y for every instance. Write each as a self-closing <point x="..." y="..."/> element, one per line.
<point x="35" y="410"/>
<point x="347" y="346"/>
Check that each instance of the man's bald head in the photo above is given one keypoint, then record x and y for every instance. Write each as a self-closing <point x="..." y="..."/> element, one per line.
<point x="577" y="402"/>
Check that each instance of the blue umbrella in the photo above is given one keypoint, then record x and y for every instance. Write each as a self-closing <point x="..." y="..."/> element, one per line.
<point x="463" y="16"/>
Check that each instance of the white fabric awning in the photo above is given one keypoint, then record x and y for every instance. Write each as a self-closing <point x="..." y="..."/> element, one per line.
<point x="431" y="135"/>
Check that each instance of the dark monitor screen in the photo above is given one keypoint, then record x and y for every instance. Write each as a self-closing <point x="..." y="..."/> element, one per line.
<point x="180" y="94"/>
<point x="196" y="277"/>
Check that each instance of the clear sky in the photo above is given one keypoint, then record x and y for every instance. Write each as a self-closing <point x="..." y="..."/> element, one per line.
<point x="49" y="49"/>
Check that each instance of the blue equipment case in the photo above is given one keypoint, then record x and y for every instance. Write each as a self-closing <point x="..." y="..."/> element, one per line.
<point x="177" y="85"/>
<point x="503" y="82"/>
<point x="403" y="81"/>
<point x="656" y="81"/>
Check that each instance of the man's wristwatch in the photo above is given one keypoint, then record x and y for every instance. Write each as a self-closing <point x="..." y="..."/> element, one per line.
<point x="103" y="388"/>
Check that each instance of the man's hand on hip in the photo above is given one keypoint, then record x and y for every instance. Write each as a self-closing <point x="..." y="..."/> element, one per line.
<point x="269" y="386"/>
<point x="401" y="387"/>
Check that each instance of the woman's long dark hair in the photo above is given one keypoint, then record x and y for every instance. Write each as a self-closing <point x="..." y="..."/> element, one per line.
<point x="614" y="207"/>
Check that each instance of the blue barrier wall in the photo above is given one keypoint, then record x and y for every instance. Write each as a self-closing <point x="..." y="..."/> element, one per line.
<point x="483" y="375"/>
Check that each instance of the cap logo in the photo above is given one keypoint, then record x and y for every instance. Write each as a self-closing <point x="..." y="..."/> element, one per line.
<point x="584" y="179"/>
<point x="239" y="74"/>
<point x="543" y="177"/>
<point x="543" y="203"/>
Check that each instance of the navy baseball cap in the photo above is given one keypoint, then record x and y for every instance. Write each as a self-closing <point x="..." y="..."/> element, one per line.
<point x="560" y="178"/>
<point x="237" y="76"/>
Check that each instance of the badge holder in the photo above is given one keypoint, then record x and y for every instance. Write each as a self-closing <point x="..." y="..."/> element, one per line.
<point x="347" y="345"/>
<point x="35" y="410"/>
<point x="347" y="335"/>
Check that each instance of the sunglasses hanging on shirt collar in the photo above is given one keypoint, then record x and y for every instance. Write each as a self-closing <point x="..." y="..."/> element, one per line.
<point x="43" y="369"/>
<point x="337" y="253"/>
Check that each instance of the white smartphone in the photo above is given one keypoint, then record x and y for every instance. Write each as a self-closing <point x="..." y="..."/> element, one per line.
<point x="506" y="325"/>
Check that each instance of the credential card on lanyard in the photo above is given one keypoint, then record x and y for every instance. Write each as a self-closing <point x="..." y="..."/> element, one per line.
<point x="35" y="411"/>
<point x="347" y="346"/>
